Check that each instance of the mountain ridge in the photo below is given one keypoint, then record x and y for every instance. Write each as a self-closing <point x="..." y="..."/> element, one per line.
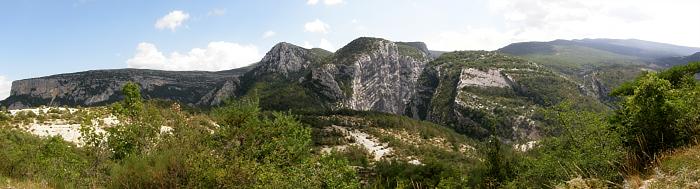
<point x="461" y="89"/>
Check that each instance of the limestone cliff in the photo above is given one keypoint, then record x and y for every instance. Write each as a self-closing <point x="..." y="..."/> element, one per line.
<point x="103" y="86"/>
<point x="371" y="74"/>
<point x="368" y="74"/>
<point x="480" y="92"/>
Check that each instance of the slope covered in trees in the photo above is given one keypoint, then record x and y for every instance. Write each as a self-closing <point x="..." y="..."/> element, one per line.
<point x="157" y="144"/>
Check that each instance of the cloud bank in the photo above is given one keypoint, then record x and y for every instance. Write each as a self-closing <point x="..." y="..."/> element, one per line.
<point x="544" y="20"/>
<point x="215" y="57"/>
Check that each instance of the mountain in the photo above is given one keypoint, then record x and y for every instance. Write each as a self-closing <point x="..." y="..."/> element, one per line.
<point x="368" y="74"/>
<point x="639" y="48"/>
<point x="99" y="87"/>
<point x="600" y="65"/>
<point x="466" y="90"/>
<point x="472" y="90"/>
<point x="379" y="75"/>
<point x="597" y="52"/>
<point x="393" y="113"/>
<point x="674" y="61"/>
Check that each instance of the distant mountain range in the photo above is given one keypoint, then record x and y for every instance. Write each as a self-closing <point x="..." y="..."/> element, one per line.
<point x="602" y="51"/>
<point x="464" y="90"/>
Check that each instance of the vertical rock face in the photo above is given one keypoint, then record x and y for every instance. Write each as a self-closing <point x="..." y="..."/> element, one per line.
<point x="376" y="81"/>
<point x="104" y="86"/>
<point x="382" y="77"/>
<point x="322" y="81"/>
<point x="368" y="74"/>
<point x="411" y="69"/>
<point x="420" y="103"/>
<point x="218" y="96"/>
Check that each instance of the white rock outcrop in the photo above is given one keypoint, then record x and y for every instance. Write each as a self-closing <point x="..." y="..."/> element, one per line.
<point x="478" y="78"/>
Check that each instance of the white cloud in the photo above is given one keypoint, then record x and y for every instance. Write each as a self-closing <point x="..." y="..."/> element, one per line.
<point x="316" y="26"/>
<point x="326" y="2"/>
<point x="323" y="43"/>
<point x="215" y="57"/>
<point x="545" y="20"/>
<point x="172" y="20"/>
<point x="269" y="34"/>
<point x="312" y="2"/>
<point x="5" y="86"/>
<point x="332" y="2"/>
<point x="643" y="19"/>
<point x="217" y="12"/>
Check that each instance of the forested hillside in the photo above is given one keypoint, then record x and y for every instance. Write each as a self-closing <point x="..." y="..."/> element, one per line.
<point x="240" y="145"/>
<point x="374" y="114"/>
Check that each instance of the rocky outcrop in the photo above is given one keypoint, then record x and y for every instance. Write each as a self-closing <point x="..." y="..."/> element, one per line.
<point x="595" y="87"/>
<point x="104" y="86"/>
<point x="368" y="74"/>
<point x="477" y="92"/>
<point x="467" y="91"/>
<point x="283" y="59"/>
<point x="377" y="76"/>
<point x="420" y="103"/>
<point x="322" y="81"/>
<point x="471" y="77"/>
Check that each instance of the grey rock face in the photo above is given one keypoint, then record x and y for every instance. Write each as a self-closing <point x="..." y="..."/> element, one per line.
<point x="104" y="86"/>
<point x="419" y="105"/>
<point x="216" y="97"/>
<point x="466" y="89"/>
<point x="322" y="81"/>
<point x="283" y="59"/>
<point x="383" y="79"/>
<point x="368" y="74"/>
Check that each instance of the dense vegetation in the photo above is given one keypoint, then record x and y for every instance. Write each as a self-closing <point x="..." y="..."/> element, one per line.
<point x="240" y="145"/>
<point x="244" y="148"/>
<point x="658" y="114"/>
<point x="661" y="111"/>
<point x="471" y="109"/>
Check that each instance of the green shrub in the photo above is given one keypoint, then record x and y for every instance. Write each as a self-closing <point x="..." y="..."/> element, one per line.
<point x="52" y="160"/>
<point x="398" y="174"/>
<point x="578" y="144"/>
<point x="659" y="112"/>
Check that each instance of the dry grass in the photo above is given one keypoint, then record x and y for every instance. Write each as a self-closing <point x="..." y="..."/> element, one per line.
<point x="581" y="183"/>
<point x="675" y="169"/>
<point x="678" y="169"/>
<point x="6" y="183"/>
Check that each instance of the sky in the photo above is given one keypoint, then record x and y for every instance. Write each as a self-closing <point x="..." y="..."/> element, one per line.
<point x="41" y="38"/>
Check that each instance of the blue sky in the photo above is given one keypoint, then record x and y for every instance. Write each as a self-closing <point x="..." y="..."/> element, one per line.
<point x="40" y="38"/>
